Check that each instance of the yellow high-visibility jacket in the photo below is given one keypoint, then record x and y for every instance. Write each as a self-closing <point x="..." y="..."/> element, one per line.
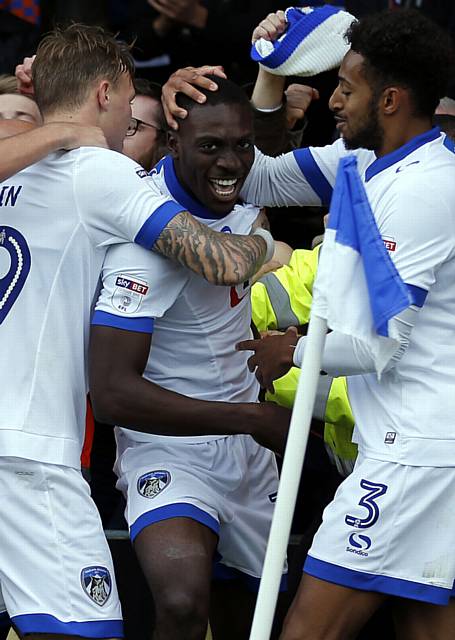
<point x="281" y="299"/>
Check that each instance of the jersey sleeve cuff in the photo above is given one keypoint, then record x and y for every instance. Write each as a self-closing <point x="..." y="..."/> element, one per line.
<point x="314" y="176"/>
<point x="153" y="226"/>
<point x="140" y="325"/>
<point x="298" y="353"/>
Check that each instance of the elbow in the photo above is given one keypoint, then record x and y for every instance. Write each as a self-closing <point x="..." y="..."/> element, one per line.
<point x="106" y="402"/>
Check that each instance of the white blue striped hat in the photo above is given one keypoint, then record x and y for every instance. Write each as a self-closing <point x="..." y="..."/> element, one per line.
<point x="313" y="42"/>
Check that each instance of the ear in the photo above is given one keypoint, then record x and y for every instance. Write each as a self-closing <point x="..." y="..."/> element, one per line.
<point x="392" y="99"/>
<point x="102" y="94"/>
<point x="173" y="143"/>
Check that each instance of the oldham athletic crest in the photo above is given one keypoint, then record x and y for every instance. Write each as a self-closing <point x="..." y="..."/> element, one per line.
<point x="152" y="483"/>
<point x="97" y="584"/>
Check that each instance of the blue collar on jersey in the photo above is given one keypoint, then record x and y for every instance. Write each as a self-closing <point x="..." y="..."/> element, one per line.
<point x="182" y="196"/>
<point x="399" y="154"/>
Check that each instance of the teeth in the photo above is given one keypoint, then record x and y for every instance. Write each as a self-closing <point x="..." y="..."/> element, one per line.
<point x="225" y="183"/>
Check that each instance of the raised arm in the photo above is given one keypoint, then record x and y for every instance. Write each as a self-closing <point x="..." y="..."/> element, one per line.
<point x="120" y="395"/>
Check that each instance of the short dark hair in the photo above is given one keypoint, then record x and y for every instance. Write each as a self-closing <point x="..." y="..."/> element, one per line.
<point x="228" y="93"/>
<point x="405" y="48"/>
<point x="145" y="87"/>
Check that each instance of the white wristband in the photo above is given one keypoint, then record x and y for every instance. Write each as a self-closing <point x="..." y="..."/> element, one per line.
<point x="298" y="352"/>
<point x="267" y="236"/>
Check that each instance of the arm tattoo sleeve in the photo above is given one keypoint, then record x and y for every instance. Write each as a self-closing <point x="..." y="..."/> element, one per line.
<point x="221" y="258"/>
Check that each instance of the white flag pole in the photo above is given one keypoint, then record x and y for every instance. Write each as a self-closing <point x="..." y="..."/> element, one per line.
<point x="291" y="471"/>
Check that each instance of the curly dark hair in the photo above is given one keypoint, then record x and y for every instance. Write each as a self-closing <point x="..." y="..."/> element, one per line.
<point x="404" y="48"/>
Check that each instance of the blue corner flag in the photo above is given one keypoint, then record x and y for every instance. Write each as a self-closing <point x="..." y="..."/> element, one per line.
<point x="358" y="288"/>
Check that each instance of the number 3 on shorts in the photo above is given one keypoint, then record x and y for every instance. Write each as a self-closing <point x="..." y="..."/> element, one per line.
<point x="369" y="502"/>
<point x="15" y="261"/>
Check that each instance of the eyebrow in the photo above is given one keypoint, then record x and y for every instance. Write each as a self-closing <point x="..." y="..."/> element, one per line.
<point x="341" y="79"/>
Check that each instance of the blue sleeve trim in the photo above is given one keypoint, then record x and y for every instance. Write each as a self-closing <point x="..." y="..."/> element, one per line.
<point x="177" y="510"/>
<point x="224" y="573"/>
<point x="141" y="325"/>
<point x="418" y="295"/>
<point x="371" y="582"/>
<point x="45" y="623"/>
<point x="154" y="225"/>
<point x="316" y="179"/>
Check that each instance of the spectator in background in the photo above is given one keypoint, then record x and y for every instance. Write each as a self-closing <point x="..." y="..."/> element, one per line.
<point x="145" y="140"/>
<point x="177" y="33"/>
<point x="19" y="31"/>
<point x="15" y="106"/>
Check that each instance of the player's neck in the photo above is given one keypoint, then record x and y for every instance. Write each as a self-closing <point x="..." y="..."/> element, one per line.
<point x="84" y="115"/>
<point x="399" y="133"/>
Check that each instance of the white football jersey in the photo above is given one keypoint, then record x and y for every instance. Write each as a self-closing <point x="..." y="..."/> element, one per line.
<point x="407" y="416"/>
<point x="57" y="219"/>
<point x="195" y="324"/>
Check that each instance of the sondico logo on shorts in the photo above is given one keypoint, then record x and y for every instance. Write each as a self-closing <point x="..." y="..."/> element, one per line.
<point x="358" y="544"/>
<point x="97" y="584"/>
<point x="152" y="483"/>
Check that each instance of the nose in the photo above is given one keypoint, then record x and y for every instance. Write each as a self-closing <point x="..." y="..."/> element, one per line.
<point x="229" y="161"/>
<point x="335" y="101"/>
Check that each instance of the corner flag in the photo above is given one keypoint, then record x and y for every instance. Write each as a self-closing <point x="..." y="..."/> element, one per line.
<point x="358" y="288"/>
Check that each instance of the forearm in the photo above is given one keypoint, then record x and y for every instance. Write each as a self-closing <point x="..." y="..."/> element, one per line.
<point x="347" y="356"/>
<point x="268" y="90"/>
<point x="150" y="408"/>
<point x="20" y="151"/>
<point x="220" y="258"/>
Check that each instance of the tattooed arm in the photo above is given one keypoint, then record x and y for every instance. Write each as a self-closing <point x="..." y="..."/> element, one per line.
<point x="220" y="258"/>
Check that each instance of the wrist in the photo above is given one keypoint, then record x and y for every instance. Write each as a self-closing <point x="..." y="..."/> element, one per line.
<point x="268" y="239"/>
<point x="268" y="91"/>
<point x="297" y="353"/>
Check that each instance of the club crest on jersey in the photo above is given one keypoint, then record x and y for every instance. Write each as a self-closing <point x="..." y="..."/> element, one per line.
<point x="152" y="483"/>
<point x="239" y="292"/>
<point x="97" y="584"/>
<point x="389" y="243"/>
<point x="128" y="293"/>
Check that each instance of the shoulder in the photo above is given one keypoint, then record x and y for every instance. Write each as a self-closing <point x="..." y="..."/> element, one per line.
<point x="106" y="161"/>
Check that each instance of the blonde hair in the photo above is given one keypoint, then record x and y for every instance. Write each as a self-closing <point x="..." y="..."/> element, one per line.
<point x="69" y="60"/>
<point x="8" y="84"/>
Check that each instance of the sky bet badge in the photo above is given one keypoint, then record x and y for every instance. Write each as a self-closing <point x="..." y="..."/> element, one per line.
<point x="152" y="483"/>
<point x="128" y="294"/>
<point x="97" y="584"/>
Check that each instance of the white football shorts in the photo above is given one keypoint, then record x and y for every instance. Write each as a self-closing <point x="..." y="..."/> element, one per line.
<point x="56" y="570"/>
<point x="391" y="529"/>
<point x="227" y="484"/>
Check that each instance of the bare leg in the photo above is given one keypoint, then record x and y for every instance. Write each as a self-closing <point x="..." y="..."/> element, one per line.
<point x="325" y="611"/>
<point x="232" y="609"/>
<point x="423" y="621"/>
<point x="176" y="558"/>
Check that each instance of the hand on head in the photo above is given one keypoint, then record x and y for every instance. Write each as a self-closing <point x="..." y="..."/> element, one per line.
<point x="23" y="75"/>
<point x="186" y="81"/>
